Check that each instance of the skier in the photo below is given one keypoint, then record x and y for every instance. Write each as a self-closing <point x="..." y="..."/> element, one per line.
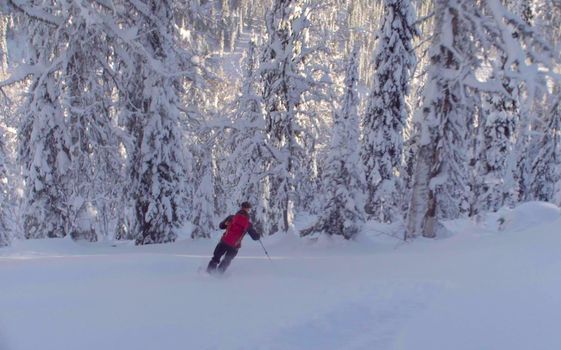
<point x="236" y="227"/>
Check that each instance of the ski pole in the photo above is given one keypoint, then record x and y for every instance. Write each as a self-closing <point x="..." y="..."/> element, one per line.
<point x="271" y="260"/>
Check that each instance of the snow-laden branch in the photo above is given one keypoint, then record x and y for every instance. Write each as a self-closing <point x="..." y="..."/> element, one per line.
<point x="35" y="12"/>
<point x="516" y="54"/>
<point x="421" y="20"/>
<point x="21" y="73"/>
<point x="490" y="86"/>
<point x="107" y="4"/>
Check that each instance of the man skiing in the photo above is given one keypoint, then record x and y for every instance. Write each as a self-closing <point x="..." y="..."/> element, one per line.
<point x="236" y="227"/>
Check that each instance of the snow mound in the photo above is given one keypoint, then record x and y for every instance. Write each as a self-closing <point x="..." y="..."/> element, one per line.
<point x="527" y="216"/>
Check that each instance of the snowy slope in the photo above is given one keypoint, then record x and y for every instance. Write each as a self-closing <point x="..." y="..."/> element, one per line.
<point x="481" y="288"/>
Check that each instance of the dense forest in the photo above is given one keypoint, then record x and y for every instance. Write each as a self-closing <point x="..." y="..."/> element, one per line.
<point x="129" y="119"/>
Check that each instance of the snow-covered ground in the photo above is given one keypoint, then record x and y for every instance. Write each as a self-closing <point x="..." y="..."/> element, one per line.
<point x="495" y="284"/>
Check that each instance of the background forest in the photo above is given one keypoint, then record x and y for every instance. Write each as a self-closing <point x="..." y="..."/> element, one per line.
<point x="130" y="119"/>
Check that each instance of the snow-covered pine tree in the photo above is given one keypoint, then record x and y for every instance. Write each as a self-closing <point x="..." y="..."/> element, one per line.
<point x="203" y="213"/>
<point x="280" y="121"/>
<point x="557" y="189"/>
<point x="152" y="114"/>
<point x="131" y="119"/>
<point x="87" y="88"/>
<point x="44" y="149"/>
<point x="440" y="174"/>
<point x="5" y="235"/>
<point x="4" y="19"/>
<point x="440" y="168"/>
<point x="524" y="50"/>
<point x="246" y="164"/>
<point x="343" y="210"/>
<point x="425" y="23"/>
<point x="519" y="163"/>
<point x="544" y="173"/>
<point x="208" y="99"/>
<point x="325" y="68"/>
<point x="494" y="146"/>
<point x="502" y="163"/>
<point x="548" y="24"/>
<point x="496" y="182"/>
<point x="45" y="155"/>
<point x="285" y="81"/>
<point x="205" y="145"/>
<point x="557" y="186"/>
<point x="387" y="111"/>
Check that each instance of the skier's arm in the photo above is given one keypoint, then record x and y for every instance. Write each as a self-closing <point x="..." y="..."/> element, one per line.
<point x="224" y="224"/>
<point x="254" y="234"/>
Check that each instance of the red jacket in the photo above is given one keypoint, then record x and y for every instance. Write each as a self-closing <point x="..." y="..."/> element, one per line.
<point x="236" y="228"/>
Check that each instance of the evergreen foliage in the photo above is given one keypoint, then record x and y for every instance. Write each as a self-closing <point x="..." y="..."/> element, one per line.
<point x="44" y="148"/>
<point x="440" y="164"/>
<point x="342" y="212"/>
<point x="387" y="111"/>
<point x="544" y="166"/>
<point x="5" y="236"/>
<point x="246" y="164"/>
<point x="496" y="131"/>
<point x="157" y="164"/>
<point x="285" y="82"/>
<point x="440" y="181"/>
<point x="135" y="119"/>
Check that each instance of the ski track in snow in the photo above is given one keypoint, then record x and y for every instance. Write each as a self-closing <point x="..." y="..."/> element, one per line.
<point x="369" y="322"/>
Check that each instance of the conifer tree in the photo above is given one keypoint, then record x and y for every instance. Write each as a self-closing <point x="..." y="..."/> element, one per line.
<point x="87" y="100"/>
<point x="247" y="140"/>
<point x="5" y="236"/>
<point x="387" y="111"/>
<point x="440" y="157"/>
<point x="285" y="81"/>
<point x="548" y="24"/>
<point x="494" y="147"/>
<point x="151" y="113"/>
<point x="44" y="149"/>
<point x="203" y="200"/>
<point x="45" y="154"/>
<point x="557" y="185"/>
<point x="524" y="144"/>
<point x="501" y="160"/>
<point x="440" y="173"/>
<point x="343" y="211"/>
<point x="544" y="166"/>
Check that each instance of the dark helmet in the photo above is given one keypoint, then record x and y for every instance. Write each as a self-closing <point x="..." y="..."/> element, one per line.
<point x="246" y="205"/>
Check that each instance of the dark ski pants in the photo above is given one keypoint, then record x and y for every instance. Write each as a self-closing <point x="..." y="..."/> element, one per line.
<point x="229" y="254"/>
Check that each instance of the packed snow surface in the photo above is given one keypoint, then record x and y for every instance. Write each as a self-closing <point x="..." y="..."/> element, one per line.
<point x="491" y="284"/>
